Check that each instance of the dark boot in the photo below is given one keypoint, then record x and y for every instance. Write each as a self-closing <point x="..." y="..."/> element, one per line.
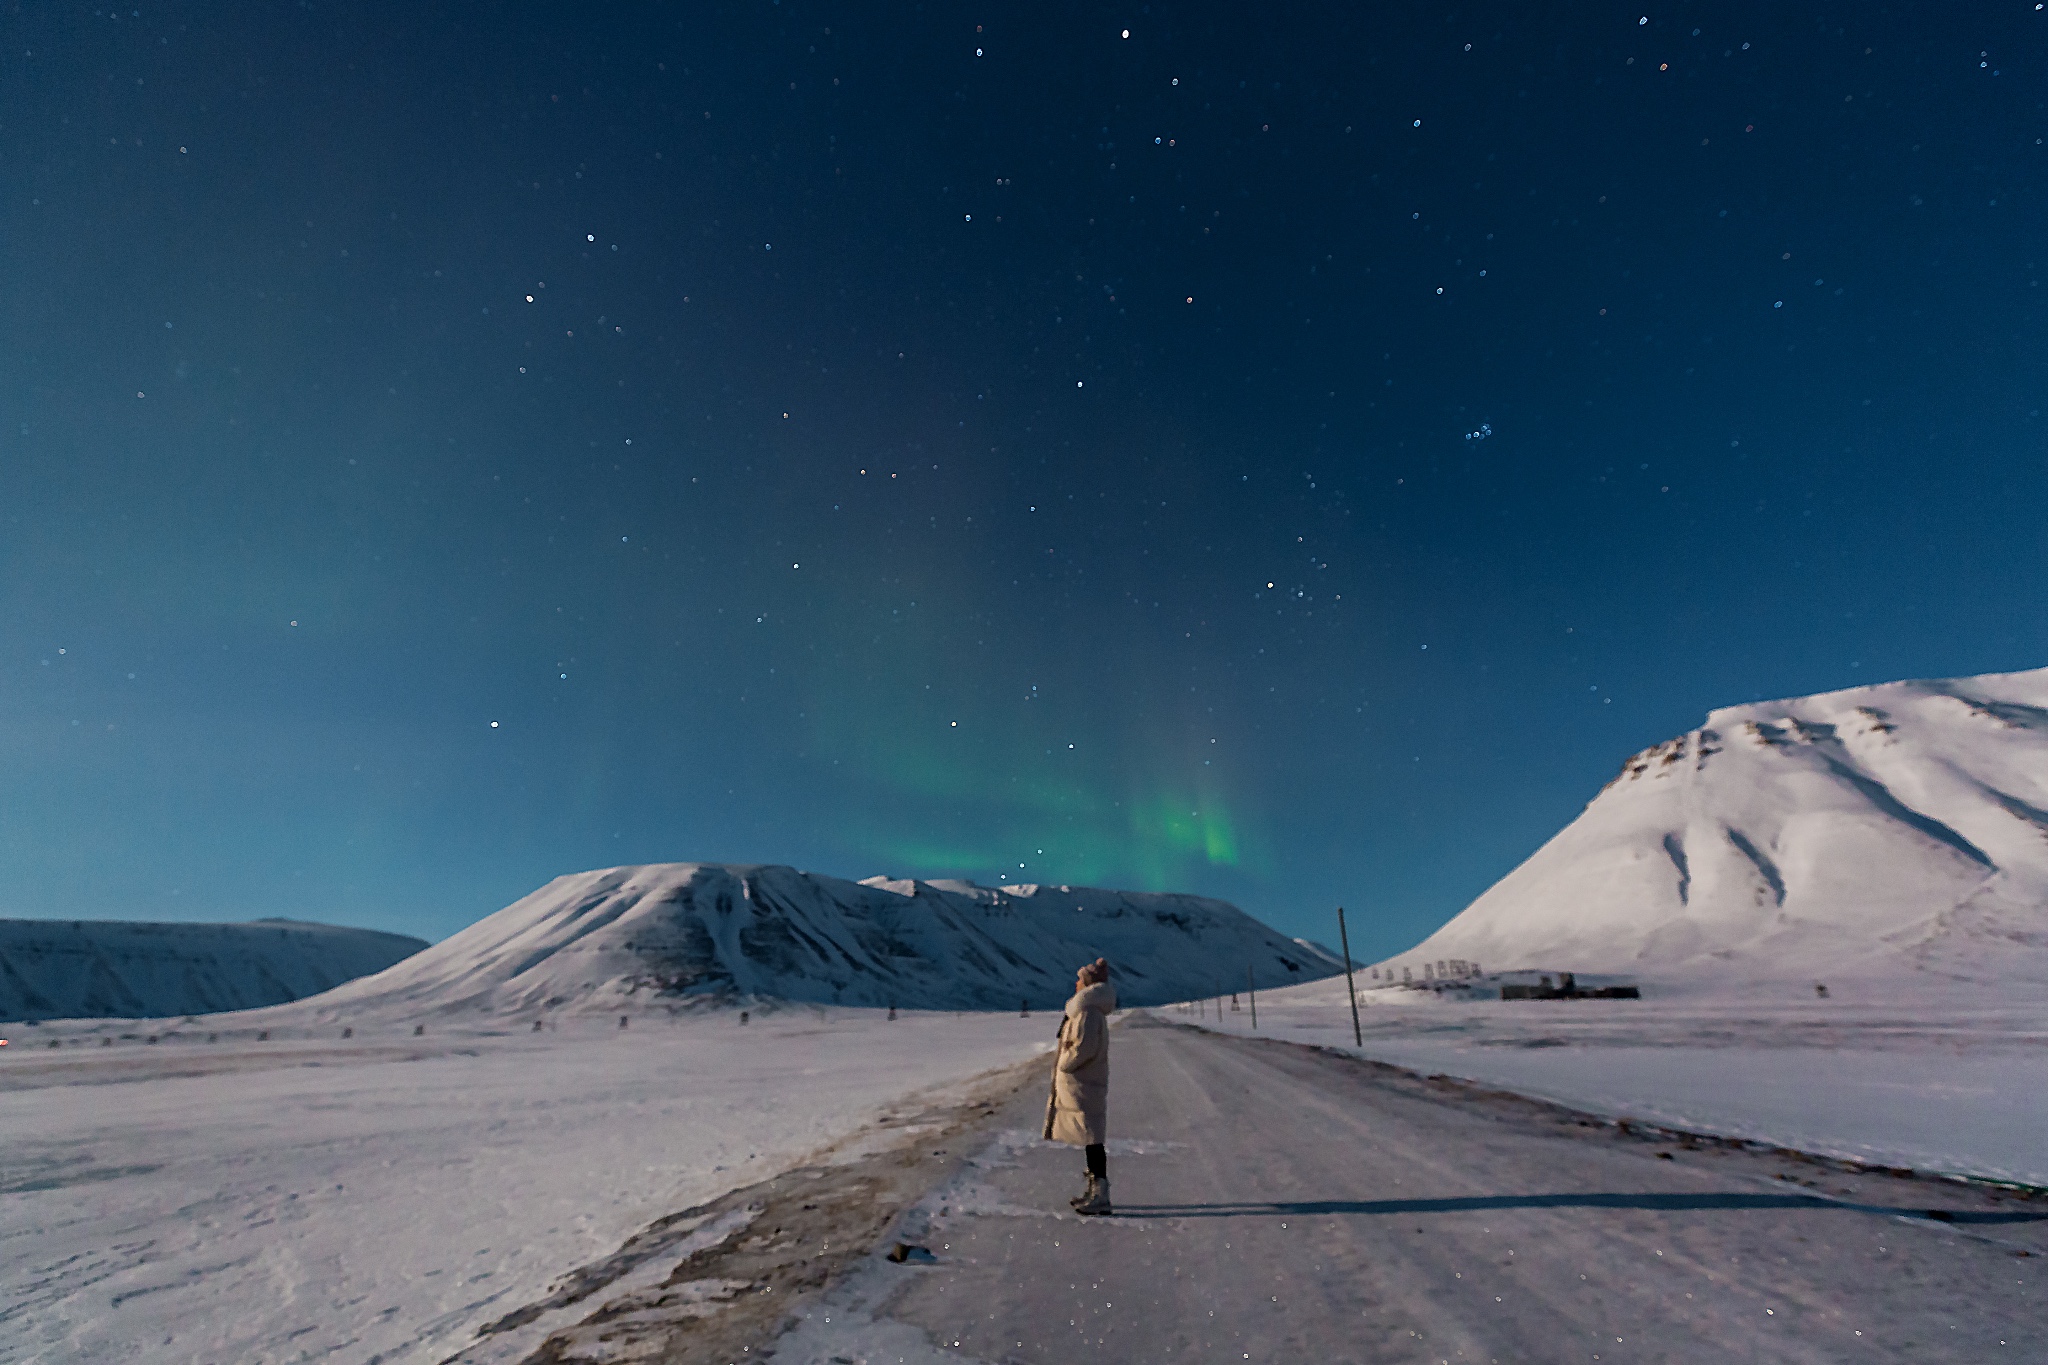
<point x="1097" y="1201"/>
<point x="1086" y="1196"/>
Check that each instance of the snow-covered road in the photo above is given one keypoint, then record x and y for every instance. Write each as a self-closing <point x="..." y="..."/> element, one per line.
<point x="1280" y="1204"/>
<point x="382" y="1198"/>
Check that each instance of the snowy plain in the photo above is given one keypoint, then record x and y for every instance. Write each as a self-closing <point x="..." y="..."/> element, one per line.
<point x="377" y="1199"/>
<point x="1933" y="1076"/>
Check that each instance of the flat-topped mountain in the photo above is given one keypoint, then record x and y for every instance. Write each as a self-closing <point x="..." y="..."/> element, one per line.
<point x="1875" y="832"/>
<point x="681" y="933"/>
<point x="91" y="969"/>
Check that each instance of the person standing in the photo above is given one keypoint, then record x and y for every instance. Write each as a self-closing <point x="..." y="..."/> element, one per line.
<point x="1077" y="1111"/>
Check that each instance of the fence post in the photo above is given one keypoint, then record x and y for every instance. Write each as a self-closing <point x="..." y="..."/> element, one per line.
<point x="1344" y="941"/>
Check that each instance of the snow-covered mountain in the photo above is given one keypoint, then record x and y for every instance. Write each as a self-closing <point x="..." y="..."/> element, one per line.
<point x="1881" y="831"/>
<point x="91" y="969"/>
<point x="676" y="933"/>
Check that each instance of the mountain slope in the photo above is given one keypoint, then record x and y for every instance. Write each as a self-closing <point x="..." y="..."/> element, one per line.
<point x="673" y="933"/>
<point x="89" y="969"/>
<point x="1882" y="830"/>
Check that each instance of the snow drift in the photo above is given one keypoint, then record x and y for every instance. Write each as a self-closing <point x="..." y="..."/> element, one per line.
<point x="1874" y="832"/>
<point x="92" y="969"/>
<point x="679" y="933"/>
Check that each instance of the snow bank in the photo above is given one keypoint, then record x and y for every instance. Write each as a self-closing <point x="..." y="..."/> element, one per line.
<point x="1937" y="1079"/>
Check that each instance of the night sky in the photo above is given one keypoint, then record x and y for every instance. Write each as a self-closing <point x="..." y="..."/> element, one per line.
<point x="1291" y="453"/>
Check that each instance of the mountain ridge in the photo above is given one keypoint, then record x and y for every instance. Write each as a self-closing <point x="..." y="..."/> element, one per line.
<point x="129" y="969"/>
<point x="680" y="935"/>
<point x="1884" y="830"/>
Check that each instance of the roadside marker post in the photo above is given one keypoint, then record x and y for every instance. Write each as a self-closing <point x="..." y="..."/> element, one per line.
<point x="1344" y="941"/>
<point x="1251" y="990"/>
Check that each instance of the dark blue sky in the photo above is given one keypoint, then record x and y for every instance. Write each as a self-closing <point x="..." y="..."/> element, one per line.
<point x="1286" y="453"/>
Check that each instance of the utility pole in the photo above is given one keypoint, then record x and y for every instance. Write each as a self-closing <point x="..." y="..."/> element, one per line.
<point x="1344" y="941"/>
<point x="1251" y="990"/>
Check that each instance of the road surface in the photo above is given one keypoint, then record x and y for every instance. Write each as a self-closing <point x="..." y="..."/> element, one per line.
<point x="1276" y="1203"/>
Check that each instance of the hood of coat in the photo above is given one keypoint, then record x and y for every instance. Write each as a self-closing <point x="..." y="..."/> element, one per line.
<point x="1100" y="996"/>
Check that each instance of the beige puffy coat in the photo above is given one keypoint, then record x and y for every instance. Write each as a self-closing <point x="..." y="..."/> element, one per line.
<point x="1079" y="1112"/>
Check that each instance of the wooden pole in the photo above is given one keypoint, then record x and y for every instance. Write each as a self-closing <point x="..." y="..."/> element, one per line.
<point x="1344" y="941"/>
<point x="1251" y="990"/>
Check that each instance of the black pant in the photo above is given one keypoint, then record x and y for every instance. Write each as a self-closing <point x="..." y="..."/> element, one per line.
<point x="1098" y="1160"/>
